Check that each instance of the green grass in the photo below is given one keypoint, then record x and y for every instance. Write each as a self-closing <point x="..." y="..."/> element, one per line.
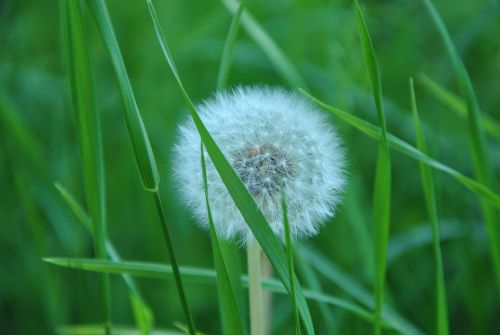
<point x="88" y="100"/>
<point x="442" y="327"/>
<point x="89" y="136"/>
<point x="479" y="149"/>
<point x="382" y="191"/>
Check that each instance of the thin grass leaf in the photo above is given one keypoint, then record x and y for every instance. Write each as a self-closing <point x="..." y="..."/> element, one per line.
<point x="137" y="132"/>
<point x="229" y="45"/>
<point x="289" y="252"/>
<point x="142" y="312"/>
<point x="457" y="105"/>
<point x="277" y="57"/>
<point x="241" y="196"/>
<point x="410" y="151"/>
<point x="382" y="191"/>
<point x="482" y="165"/>
<point x="208" y="276"/>
<point x="230" y="312"/>
<point x="140" y="142"/>
<point x="230" y="252"/>
<point x="89" y="136"/>
<point x="355" y="289"/>
<point x="442" y="327"/>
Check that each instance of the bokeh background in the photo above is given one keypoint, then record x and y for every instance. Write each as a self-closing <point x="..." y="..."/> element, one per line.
<point x="38" y="146"/>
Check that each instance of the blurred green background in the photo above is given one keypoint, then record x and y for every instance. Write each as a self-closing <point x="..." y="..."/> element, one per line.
<point x="38" y="146"/>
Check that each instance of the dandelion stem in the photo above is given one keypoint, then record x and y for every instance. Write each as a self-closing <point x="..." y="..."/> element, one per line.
<point x="174" y="264"/>
<point x="255" y="287"/>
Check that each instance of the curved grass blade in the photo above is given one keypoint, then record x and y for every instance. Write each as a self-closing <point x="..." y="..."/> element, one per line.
<point x="229" y="45"/>
<point x="410" y="151"/>
<point x="241" y="196"/>
<point x="430" y="200"/>
<point x="457" y="105"/>
<point x="230" y="312"/>
<point x="142" y="312"/>
<point x="229" y="250"/>
<point x="482" y="165"/>
<point x="289" y="252"/>
<point x="137" y="132"/>
<point x="89" y="136"/>
<point x="140" y="142"/>
<point x="277" y="57"/>
<point x="355" y="290"/>
<point x="382" y="191"/>
<point x="207" y="276"/>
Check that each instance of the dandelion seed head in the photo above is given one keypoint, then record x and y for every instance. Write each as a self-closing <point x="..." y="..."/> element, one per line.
<point x="276" y="142"/>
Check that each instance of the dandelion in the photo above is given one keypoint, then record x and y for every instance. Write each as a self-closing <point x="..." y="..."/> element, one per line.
<point x="277" y="142"/>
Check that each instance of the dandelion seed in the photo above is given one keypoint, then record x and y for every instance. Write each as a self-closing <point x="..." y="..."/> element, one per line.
<point x="276" y="142"/>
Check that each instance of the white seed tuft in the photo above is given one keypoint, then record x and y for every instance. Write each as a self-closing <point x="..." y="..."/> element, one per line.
<point x="277" y="142"/>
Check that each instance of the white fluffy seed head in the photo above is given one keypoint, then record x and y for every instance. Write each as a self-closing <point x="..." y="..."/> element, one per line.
<point x="277" y="142"/>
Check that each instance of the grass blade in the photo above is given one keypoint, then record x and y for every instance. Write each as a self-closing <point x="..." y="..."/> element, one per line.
<point x="205" y="276"/>
<point x="311" y="280"/>
<point x="277" y="57"/>
<point x="137" y="132"/>
<point x="289" y="252"/>
<point x="89" y="136"/>
<point x="140" y="142"/>
<point x="230" y="312"/>
<point x="241" y="196"/>
<point x="142" y="312"/>
<point x="229" y="250"/>
<point x="430" y="200"/>
<point x="410" y="151"/>
<point x="382" y="191"/>
<point x="229" y="45"/>
<point x="457" y="105"/>
<point x="482" y="165"/>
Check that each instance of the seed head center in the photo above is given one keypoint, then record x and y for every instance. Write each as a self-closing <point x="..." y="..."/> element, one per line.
<point x="264" y="169"/>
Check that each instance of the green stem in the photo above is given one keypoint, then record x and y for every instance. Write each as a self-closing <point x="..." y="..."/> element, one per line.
<point x="255" y="287"/>
<point x="174" y="264"/>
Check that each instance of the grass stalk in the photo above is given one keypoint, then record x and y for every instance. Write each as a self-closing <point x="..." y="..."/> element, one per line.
<point x="255" y="287"/>
<point x="289" y="251"/>
<point x="89" y="136"/>
<point x="479" y="147"/>
<point x="382" y="191"/>
<point x="173" y="261"/>
<point x="442" y="327"/>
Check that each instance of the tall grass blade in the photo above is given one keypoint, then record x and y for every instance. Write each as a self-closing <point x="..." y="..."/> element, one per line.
<point x="229" y="45"/>
<point x="382" y="191"/>
<point x="457" y="105"/>
<point x="241" y="196"/>
<point x="142" y="312"/>
<point x="230" y="312"/>
<point x="137" y="132"/>
<point x="229" y="250"/>
<point x="410" y="151"/>
<point x="208" y="276"/>
<point x="89" y="136"/>
<point x="289" y="253"/>
<point x="482" y="165"/>
<point x="430" y="200"/>
<point x="277" y="57"/>
<point x="140" y="142"/>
